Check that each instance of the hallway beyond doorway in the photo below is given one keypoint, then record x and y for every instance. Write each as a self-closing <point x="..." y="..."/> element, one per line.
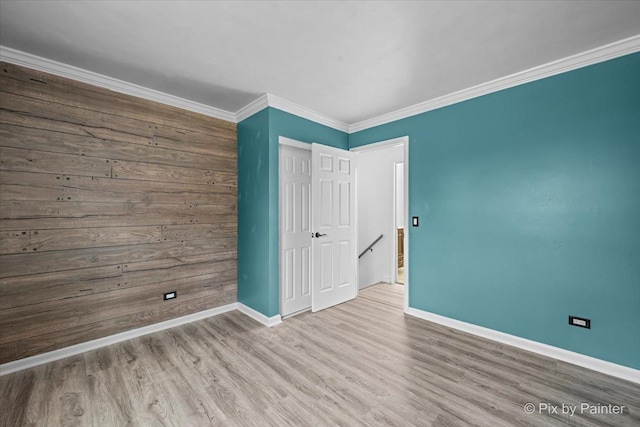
<point x="390" y="294"/>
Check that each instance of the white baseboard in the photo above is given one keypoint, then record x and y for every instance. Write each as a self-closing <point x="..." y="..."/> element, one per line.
<point x="588" y="362"/>
<point x="259" y="317"/>
<point x="29" y="362"/>
<point x="367" y="285"/>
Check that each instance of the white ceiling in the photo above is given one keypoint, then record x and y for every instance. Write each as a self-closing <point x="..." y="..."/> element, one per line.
<point x="347" y="60"/>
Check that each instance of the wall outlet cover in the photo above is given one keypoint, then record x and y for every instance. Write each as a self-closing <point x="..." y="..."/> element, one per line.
<point x="580" y="322"/>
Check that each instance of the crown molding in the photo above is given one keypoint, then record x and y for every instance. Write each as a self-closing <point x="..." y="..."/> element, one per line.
<point x="304" y="112"/>
<point x="18" y="57"/>
<point x="252" y="108"/>
<point x="583" y="59"/>
<point x="53" y="67"/>
<point x="271" y="100"/>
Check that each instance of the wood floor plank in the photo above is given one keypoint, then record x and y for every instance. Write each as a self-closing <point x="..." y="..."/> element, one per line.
<point x="362" y="363"/>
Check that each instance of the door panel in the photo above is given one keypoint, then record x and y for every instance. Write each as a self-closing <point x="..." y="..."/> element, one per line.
<point x="345" y="204"/>
<point x="295" y="226"/>
<point x="325" y="203"/>
<point x="344" y="272"/>
<point x="305" y="271"/>
<point x="326" y="266"/>
<point x="333" y="219"/>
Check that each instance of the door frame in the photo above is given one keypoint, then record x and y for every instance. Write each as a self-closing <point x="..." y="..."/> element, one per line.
<point x="304" y="146"/>
<point x="395" y="217"/>
<point x="404" y="141"/>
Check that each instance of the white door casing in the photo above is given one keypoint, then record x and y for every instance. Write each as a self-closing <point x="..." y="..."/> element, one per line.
<point x="333" y="218"/>
<point x="295" y="229"/>
<point x="404" y="140"/>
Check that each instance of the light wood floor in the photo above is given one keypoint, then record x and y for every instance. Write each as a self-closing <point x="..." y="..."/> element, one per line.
<point x="361" y="363"/>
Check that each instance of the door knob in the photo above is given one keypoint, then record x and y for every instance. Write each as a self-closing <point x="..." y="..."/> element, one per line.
<point x="318" y="235"/>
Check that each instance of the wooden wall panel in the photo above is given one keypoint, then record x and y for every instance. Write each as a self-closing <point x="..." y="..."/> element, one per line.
<point x="107" y="201"/>
<point x="18" y="291"/>
<point x="35" y="263"/>
<point x="64" y="143"/>
<point x="16" y="159"/>
<point x="153" y="313"/>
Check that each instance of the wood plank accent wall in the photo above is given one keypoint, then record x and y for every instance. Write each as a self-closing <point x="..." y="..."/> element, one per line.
<point x="107" y="201"/>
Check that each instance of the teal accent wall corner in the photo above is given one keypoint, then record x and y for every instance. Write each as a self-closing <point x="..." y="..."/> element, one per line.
<point x="253" y="206"/>
<point x="529" y="205"/>
<point x="258" y="165"/>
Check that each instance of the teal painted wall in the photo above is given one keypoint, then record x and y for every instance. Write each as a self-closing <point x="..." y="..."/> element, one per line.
<point x="253" y="205"/>
<point x="529" y="200"/>
<point x="258" y="163"/>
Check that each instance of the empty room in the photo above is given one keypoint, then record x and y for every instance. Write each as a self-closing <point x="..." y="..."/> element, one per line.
<point x="319" y="213"/>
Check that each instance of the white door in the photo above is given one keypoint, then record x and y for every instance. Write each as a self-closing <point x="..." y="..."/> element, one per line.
<point x="295" y="229"/>
<point x="333" y="217"/>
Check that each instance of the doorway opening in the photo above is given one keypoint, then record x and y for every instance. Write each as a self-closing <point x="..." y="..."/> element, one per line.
<point x="382" y="210"/>
<point x="322" y="231"/>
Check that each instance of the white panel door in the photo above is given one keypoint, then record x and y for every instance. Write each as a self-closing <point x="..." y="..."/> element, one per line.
<point x="334" y="231"/>
<point x="295" y="229"/>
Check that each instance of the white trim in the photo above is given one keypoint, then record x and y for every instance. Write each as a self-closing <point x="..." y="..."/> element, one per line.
<point x="287" y="142"/>
<point x="407" y="223"/>
<point x="253" y="107"/>
<point x="583" y="59"/>
<point x="574" y="358"/>
<point x="59" y="69"/>
<point x="304" y="310"/>
<point x="382" y="144"/>
<point x="404" y="141"/>
<point x="259" y="317"/>
<point x="270" y="100"/>
<point x="282" y="140"/>
<point x="306" y="113"/>
<point x="30" y="362"/>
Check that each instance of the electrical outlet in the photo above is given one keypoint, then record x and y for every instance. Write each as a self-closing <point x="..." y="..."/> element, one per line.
<point x="170" y="295"/>
<point x="580" y="322"/>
